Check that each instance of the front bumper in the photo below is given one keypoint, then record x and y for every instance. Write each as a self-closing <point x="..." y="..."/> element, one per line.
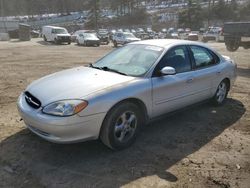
<point x="64" y="39"/>
<point x="60" y="129"/>
<point x="92" y="42"/>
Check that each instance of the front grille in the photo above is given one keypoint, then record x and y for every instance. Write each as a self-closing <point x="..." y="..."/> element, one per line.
<point x="31" y="100"/>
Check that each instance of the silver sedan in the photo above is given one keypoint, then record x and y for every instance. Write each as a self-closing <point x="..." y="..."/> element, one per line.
<point x="112" y="98"/>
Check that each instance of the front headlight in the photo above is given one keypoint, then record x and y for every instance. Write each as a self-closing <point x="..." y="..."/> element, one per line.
<point x="65" y="107"/>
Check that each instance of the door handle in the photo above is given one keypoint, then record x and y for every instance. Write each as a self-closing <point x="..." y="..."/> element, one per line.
<point x="218" y="72"/>
<point x="190" y="80"/>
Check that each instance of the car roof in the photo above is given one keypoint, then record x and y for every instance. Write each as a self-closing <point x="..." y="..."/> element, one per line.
<point x="53" y="27"/>
<point x="168" y="42"/>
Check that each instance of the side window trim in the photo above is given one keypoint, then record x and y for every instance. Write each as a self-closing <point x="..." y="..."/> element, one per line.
<point x="208" y="51"/>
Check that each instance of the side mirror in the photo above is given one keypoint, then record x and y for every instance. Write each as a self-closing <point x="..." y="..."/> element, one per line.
<point x="168" y="71"/>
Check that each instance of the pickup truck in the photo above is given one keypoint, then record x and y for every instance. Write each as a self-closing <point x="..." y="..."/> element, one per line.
<point x="236" y="34"/>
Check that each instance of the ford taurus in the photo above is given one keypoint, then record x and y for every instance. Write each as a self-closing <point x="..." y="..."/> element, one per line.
<point x="112" y="98"/>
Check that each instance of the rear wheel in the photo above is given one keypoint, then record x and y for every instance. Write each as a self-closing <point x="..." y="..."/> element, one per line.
<point x="221" y="93"/>
<point x="232" y="43"/>
<point x="121" y="126"/>
<point x="44" y="38"/>
<point x="232" y="48"/>
<point x="115" y="44"/>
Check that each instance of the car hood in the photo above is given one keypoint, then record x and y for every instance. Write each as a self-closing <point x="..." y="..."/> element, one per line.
<point x="133" y="39"/>
<point x="63" y="35"/>
<point x="76" y="83"/>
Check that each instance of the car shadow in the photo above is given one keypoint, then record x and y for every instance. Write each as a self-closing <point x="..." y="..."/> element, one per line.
<point x="44" y="43"/>
<point x="244" y="72"/>
<point x="160" y="145"/>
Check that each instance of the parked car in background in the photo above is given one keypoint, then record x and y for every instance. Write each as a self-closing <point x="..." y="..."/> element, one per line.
<point x="88" y="39"/>
<point x="202" y="30"/>
<point x="192" y="36"/>
<point x="187" y="30"/>
<point x="149" y="30"/>
<point x="111" y="34"/>
<point x="121" y="38"/>
<point x="114" y="97"/>
<point x="180" y="31"/>
<point x="133" y="31"/>
<point x="35" y="33"/>
<point x="127" y="30"/>
<point x="103" y="35"/>
<point x="162" y="35"/>
<point x="75" y="34"/>
<point x="57" y="35"/>
<point x="174" y="35"/>
<point x="140" y="30"/>
<point x="213" y="33"/>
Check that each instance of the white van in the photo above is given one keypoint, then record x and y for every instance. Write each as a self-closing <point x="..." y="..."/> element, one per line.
<point x="56" y="34"/>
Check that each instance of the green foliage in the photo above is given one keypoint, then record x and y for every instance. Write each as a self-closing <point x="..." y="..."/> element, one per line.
<point x="94" y="9"/>
<point x="191" y="17"/>
<point x="244" y="12"/>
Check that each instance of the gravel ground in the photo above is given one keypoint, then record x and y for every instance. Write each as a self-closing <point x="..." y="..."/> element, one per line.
<point x="204" y="146"/>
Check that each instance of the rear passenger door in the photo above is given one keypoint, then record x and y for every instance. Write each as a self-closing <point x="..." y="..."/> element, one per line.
<point x="205" y="70"/>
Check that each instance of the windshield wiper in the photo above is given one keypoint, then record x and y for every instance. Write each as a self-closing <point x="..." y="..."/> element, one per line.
<point x="92" y="66"/>
<point x="107" y="69"/>
<point x="112" y="70"/>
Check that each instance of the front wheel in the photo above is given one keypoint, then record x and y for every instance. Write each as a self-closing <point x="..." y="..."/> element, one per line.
<point x="121" y="126"/>
<point x="221" y="93"/>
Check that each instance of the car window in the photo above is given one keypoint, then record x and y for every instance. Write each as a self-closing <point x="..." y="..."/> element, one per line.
<point x="202" y="57"/>
<point x="177" y="58"/>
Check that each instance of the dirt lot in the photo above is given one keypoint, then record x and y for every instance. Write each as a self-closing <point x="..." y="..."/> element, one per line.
<point x="205" y="146"/>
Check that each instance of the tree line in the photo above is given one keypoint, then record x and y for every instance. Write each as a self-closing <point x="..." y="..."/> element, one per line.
<point x="194" y="16"/>
<point x="34" y="7"/>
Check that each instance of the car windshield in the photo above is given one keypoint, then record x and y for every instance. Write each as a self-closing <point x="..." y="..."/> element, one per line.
<point x="60" y="31"/>
<point x="89" y="35"/>
<point x="133" y="60"/>
<point x="129" y="35"/>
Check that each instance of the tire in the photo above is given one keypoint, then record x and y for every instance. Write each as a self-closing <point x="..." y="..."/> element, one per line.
<point x="204" y="40"/>
<point x="221" y="93"/>
<point x="115" y="44"/>
<point x="44" y="38"/>
<point x="56" y="41"/>
<point x="69" y="42"/>
<point x="232" y="44"/>
<point x="121" y="126"/>
<point x="232" y="48"/>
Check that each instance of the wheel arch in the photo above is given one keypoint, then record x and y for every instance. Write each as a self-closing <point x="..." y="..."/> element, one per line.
<point x="136" y="101"/>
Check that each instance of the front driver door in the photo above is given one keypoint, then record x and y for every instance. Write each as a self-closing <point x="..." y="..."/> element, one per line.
<point x="171" y="92"/>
